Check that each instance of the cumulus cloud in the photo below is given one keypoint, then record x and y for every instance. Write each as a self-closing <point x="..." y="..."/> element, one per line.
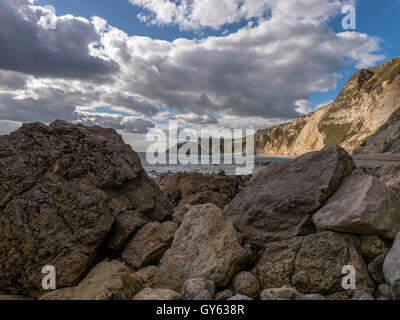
<point x="195" y="14"/>
<point x="33" y="110"/>
<point x="193" y="118"/>
<point x="118" y="122"/>
<point x="199" y="14"/>
<point x="12" y="80"/>
<point x="251" y="78"/>
<point x="259" y="71"/>
<point x="29" y="48"/>
<point x="303" y="106"/>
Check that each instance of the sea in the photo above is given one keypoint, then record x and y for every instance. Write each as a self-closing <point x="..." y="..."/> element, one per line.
<point x="228" y="168"/>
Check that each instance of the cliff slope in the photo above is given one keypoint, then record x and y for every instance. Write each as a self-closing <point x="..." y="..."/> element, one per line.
<point x="385" y="140"/>
<point x="363" y="106"/>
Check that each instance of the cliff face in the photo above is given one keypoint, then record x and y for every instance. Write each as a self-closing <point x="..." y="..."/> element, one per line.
<point x="385" y="140"/>
<point x="365" y="103"/>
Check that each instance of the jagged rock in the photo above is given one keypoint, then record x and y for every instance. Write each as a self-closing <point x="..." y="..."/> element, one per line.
<point x="183" y="185"/>
<point x="106" y="281"/>
<point x="375" y="269"/>
<point x="149" y="244"/>
<point x="278" y="202"/>
<point x="362" y="205"/>
<point x="363" y="76"/>
<point x="224" y="295"/>
<point x="207" y="246"/>
<point x="372" y="246"/>
<point x="246" y="284"/>
<point x="240" y="297"/>
<point x="390" y="176"/>
<point x="220" y="200"/>
<point x="384" y="291"/>
<point x="312" y="264"/>
<point x="384" y="140"/>
<point x="125" y="225"/>
<point x="191" y="288"/>
<point x="284" y="293"/>
<point x="62" y="187"/>
<point x="362" y="295"/>
<point x="158" y="294"/>
<point x="145" y="276"/>
<point x="391" y="268"/>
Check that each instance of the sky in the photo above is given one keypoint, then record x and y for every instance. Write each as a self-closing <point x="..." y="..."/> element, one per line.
<point x="133" y="65"/>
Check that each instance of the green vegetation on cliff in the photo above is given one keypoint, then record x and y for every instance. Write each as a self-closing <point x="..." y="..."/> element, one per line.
<point x="337" y="133"/>
<point x="387" y="72"/>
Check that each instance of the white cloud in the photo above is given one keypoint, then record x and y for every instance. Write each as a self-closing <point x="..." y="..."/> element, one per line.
<point x="196" y="14"/>
<point x="252" y="78"/>
<point x="199" y="14"/>
<point x="259" y="71"/>
<point x="303" y="106"/>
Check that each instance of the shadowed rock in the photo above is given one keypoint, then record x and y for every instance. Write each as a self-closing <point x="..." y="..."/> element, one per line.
<point x="362" y="205"/>
<point x="391" y="268"/>
<point x="62" y="187"/>
<point x="206" y="246"/>
<point x="313" y="264"/>
<point x="278" y="202"/>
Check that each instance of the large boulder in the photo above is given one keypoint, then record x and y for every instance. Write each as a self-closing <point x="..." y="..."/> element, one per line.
<point x="391" y="268"/>
<point x="106" y="281"/>
<point x="148" y="245"/>
<point x="278" y="202"/>
<point x="206" y="246"/>
<point x="183" y="185"/>
<point x="62" y="187"/>
<point x="219" y="199"/>
<point x="362" y="205"/>
<point x="313" y="264"/>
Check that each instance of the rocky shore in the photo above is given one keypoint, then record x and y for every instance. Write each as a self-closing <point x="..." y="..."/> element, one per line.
<point x="78" y="199"/>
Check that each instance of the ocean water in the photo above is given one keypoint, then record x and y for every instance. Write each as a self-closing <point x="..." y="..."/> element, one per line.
<point x="229" y="169"/>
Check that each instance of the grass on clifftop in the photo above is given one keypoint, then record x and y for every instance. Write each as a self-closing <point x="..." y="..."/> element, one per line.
<point x="387" y="73"/>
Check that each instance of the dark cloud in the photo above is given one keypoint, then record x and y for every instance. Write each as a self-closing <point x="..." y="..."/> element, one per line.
<point x="49" y="109"/>
<point x="261" y="71"/>
<point x="127" y="124"/>
<point x="257" y="74"/>
<point x="132" y="103"/>
<point x="32" y="110"/>
<point x="27" y="47"/>
<point x="12" y="80"/>
<point x="197" y="119"/>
